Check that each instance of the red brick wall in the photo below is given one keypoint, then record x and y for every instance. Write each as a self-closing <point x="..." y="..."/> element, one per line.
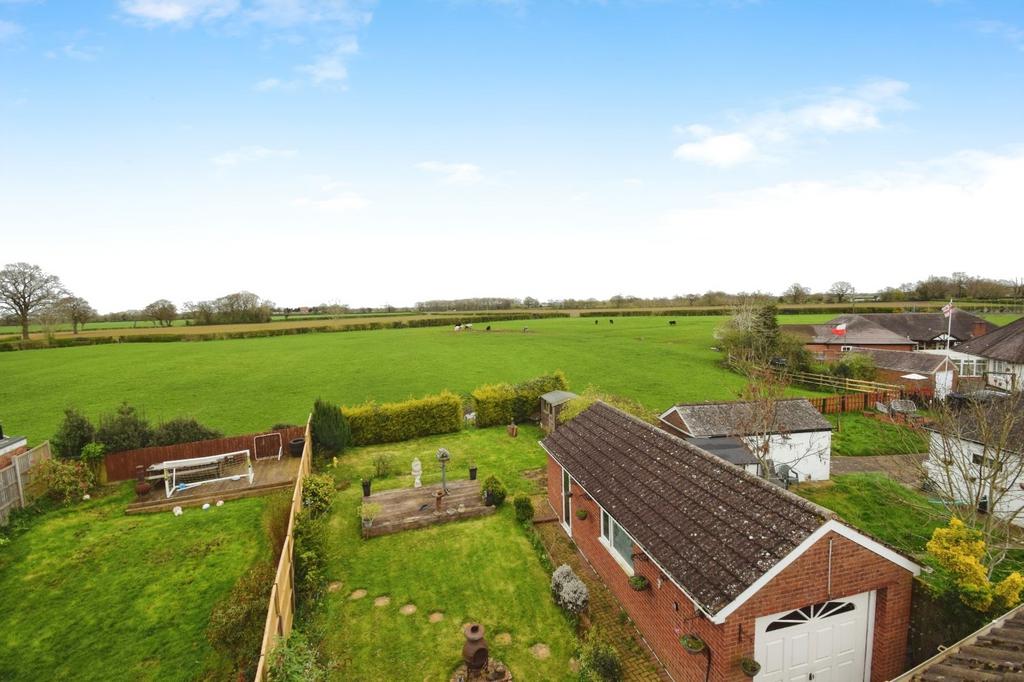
<point x="833" y="350"/>
<point x="663" y="613"/>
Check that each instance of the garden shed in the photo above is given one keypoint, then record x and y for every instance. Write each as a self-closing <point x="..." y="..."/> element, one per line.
<point x="551" y="404"/>
<point x="719" y="568"/>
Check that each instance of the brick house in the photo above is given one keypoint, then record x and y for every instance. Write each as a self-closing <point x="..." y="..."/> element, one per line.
<point x="822" y="341"/>
<point x="744" y="565"/>
<point x="924" y="374"/>
<point x="11" y="447"/>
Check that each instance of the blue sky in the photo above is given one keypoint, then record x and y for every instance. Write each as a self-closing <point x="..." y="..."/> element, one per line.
<point x="412" y="150"/>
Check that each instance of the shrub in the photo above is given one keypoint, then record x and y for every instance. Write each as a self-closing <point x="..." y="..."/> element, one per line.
<point x="639" y="582"/>
<point x="960" y="550"/>
<point x="591" y="395"/>
<point x="74" y="433"/>
<point x="236" y="622"/>
<point x="318" y="494"/>
<point x="598" y="660"/>
<point x="93" y="452"/>
<point x="568" y="591"/>
<point x="524" y="508"/>
<point x="63" y="480"/>
<point x="182" y="430"/>
<point x="502" y="403"/>
<point x="382" y="466"/>
<point x="294" y="660"/>
<point x="330" y="429"/>
<point x="494" y="489"/>
<point x="374" y="423"/>
<point x="310" y="558"/>
<point x="126" y="429"/>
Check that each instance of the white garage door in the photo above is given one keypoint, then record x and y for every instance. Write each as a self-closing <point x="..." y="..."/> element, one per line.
<point x="826" y="642"/>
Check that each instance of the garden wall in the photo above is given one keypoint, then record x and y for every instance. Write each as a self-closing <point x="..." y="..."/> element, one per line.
<point x="938" y="620"/>
<point x="120" y="466"/>
<point x="281" y="610"/>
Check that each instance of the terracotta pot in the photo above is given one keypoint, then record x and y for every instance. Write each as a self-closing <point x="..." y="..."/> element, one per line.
<point x="474" y="651"/>
<point x="142" y="488"/>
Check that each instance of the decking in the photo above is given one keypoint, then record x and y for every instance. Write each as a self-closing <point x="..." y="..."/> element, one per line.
<point x="409" y="508"/>
<point x="270" y="476"/>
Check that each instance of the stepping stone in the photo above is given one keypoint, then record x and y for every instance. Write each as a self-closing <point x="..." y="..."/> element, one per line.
<point x="436" y="617"/>
<point x="358" y="594"/>
<point x="503" y="638"/>
<point x="407" y="610"/>
<point x="382" y="601"/>
<point x="540" y="651"/>
<point x="574" y="665"/>
<point x="334" y="586"/>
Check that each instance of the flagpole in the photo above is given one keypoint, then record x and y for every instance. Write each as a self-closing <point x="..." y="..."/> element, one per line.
<point x="949" y="327"/>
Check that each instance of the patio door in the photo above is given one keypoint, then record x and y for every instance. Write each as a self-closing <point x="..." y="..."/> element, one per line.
<point x="566" y="502"/>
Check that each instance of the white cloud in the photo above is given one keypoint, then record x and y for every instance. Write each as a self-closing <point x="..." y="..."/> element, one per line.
<point x="632" y="182"/>
<point x="82" y="53"/>
<point x="8" y="30"/>
<point x="178" y="11"/>
<point x="330" y="69"/>
<point x="249" y="154"/>
<point x="332" y="196"/>
<point x="288" y="13"/>
<point x="268" y="84"/>
<point x="453" y="173"/>
<point x="1013" y="34"/>
<point x="836" y="111"/>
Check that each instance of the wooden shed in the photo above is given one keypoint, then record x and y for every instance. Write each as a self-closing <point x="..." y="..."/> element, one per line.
<point x="551" y="404"/>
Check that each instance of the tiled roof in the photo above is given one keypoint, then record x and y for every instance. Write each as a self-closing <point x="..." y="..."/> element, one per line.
<point x="732" y="450"/>
<point x="923" y="327"/>
<point x="714" y="528"/>
<point x="738" y="418"/>
<point x="1005" y="343"/>
<point x="904" y="360"/>
<point x="995" y="652"/>
<point x="558" y="397"/>
<point x="858" y="332"/>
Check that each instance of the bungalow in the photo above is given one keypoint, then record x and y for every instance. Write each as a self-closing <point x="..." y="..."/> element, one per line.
<point x="724" y="559"/>
<point x="10" y="447"/>
<point x="825" y="342"/>
<point x="931" y="330"/>
<point x="788" y="432"/>
<point x="923" y="374"/>
<point x="1002" y="351"/>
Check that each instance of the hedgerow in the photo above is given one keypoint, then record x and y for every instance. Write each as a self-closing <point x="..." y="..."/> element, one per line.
<point x="372" y="423"/>
<point x="503" y="403"/>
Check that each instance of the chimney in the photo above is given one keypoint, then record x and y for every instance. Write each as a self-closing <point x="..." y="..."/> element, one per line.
<point x="979" y="329"/>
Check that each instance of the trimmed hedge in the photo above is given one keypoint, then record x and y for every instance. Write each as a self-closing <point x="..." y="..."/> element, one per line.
<point x="502" y="403"/>
<point x="373" y="423"/>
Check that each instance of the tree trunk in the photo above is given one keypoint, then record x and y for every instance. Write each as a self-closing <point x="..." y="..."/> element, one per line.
<point x="24" y="327"/>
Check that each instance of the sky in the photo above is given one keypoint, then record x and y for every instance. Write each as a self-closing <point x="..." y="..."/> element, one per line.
<point x="390" y="152"/>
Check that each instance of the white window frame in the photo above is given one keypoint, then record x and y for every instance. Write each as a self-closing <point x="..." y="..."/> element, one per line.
<point x="845" y="349"/>
<point x="608" y="541"/>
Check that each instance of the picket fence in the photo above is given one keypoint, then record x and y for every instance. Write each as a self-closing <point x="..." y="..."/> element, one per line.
<point x="16" y="488"/>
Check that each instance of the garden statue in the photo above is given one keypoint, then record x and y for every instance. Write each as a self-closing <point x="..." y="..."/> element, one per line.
<point x="443" y="456"/>
<point x="417" y="472"/>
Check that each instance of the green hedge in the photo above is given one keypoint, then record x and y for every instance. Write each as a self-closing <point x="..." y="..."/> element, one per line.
<point x="373" y="423"/>
<point x="503" y="403"/>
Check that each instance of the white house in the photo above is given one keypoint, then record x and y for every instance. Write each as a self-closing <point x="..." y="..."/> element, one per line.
<point x="791" y="431"/>
<point x="1002" y="352"/>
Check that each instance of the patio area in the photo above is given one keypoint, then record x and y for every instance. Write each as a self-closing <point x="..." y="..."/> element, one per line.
<point x="269" y="475"/>
<point x="408" y="508"/>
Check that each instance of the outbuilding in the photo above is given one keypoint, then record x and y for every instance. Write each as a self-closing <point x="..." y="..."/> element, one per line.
<point x="728" y="560"/>
<point x="924" y="374"/>
<point x="551" y="404"/>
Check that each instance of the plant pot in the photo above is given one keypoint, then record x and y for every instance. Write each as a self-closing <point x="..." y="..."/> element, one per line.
<point x="692" y="644"/>
<point x="513" y="430"/>
<point x="639" y="583"/>
<point x="143" y="488"/>
<point x="295" y="446"/>
<point x="472" y="473"/>
<point x="750" y="667"/>
<point x="366" y="487"/>
<point x="582" y="514"/>
<point x="367" y="523"/>
<point x="488" y="499"/>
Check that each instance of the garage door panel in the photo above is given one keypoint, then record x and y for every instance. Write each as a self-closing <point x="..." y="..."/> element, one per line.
<point x="774" y="657"/>
<point x="799" y="649"/>
<point x="823" y="644"/>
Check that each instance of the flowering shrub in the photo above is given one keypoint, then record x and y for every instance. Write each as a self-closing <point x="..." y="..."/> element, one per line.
<point x="960" y="551"/>
<point x="64" y="480"/>
<point x="568" y="590"/>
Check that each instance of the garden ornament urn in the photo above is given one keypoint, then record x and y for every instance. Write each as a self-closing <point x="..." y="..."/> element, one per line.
<point x="474" y="651"/>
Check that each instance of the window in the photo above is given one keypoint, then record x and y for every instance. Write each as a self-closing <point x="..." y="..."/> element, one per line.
<point x="816" y="611"/>
<point x="971" y="368"/>
<point x="987" y="462"/>
<point x="618" y="542"/>
<point x="845" y="348"/>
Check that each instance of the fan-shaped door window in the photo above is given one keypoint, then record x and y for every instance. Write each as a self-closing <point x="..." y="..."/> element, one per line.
<point x="825" y="609"/>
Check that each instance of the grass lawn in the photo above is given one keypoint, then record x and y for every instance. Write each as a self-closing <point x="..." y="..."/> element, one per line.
<point x="854" y="435"/>
<point x="87" y="593"/>
<point x="246" y="385"/>
<point x="481" y="570"/>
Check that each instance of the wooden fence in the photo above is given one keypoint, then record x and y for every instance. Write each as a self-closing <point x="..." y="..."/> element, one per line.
<point x="840" y="383"/>
<point x="121" y="466"/>
<point x="16" y="488"/>
<point x="281" y="611"/>
<point x="852" y="402"/>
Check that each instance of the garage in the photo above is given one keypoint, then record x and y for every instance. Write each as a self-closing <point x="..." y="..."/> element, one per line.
<point x="827" y="642"/>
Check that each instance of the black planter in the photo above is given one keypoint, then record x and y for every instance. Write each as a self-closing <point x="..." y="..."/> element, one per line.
<point x="366" y="487"/>
<point x="472" y="473"/>
<point x="295" y="446"/>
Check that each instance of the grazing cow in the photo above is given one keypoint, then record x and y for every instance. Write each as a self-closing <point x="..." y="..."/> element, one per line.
<point x="611" y="321"/>
<point x="672" y="323"/>
<point x="488" y="328"/>
<point x="458" y="327"/>
<point x="526" y="329"/>
<point x="595" y="321"/>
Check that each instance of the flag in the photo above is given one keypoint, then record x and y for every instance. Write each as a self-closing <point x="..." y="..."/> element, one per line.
<point x="839" y="329"/>
<point x="947" y="309"/>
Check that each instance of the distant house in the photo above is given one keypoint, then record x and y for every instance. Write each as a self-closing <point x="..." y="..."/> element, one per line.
<point x="830" y="341"/>
<point x="1002" y="355"/>
<point x="745" y="566"/>
<point x="551" y="403"/>
<point x="791" y="431"/>
<point x="918" y="373"/>
<point x="929" y="330"/>
<point x="11" y="446"/>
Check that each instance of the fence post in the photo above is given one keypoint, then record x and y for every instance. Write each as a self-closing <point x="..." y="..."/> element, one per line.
<point x="17" y="477"/>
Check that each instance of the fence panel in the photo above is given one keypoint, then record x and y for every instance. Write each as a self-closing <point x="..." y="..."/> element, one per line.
<point x="852" y="402"/>
<point x="17" y="483"/>
<point x="281" y="608"/>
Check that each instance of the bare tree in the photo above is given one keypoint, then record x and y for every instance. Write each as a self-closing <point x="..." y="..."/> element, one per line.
<point x="976" y="467"/>
<point x="161" y="312"/>
<point x="841" y="291"/>
<point x="796" y="293"/>
<point x="26" y="290"/>
<point x="77" y="311"/>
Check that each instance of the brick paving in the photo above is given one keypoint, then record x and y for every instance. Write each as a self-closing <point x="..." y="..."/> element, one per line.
<point x="638" y="663"/>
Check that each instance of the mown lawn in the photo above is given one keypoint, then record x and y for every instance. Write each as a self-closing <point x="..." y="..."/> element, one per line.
<point x="247" y="385"/>
<point x="480" y="570"/>
<point x="856" y="435"/>
<point x="87" y="593"/>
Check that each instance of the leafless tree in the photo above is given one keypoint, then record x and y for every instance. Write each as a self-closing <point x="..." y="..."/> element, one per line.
<point x="796" y="293"/>
<point x="841" y="291"/>
<point x="976" y="467"/>
<point x="77" y="311"/>
<point x="25" y="290"/>
<point x="161" y="312"/>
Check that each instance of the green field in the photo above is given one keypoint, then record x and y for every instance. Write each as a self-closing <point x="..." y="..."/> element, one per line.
<point x="247" y="385"/>
<point x="87" y="593"/>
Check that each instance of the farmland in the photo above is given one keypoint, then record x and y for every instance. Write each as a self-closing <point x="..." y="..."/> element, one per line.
<point x="243" y="385"/>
